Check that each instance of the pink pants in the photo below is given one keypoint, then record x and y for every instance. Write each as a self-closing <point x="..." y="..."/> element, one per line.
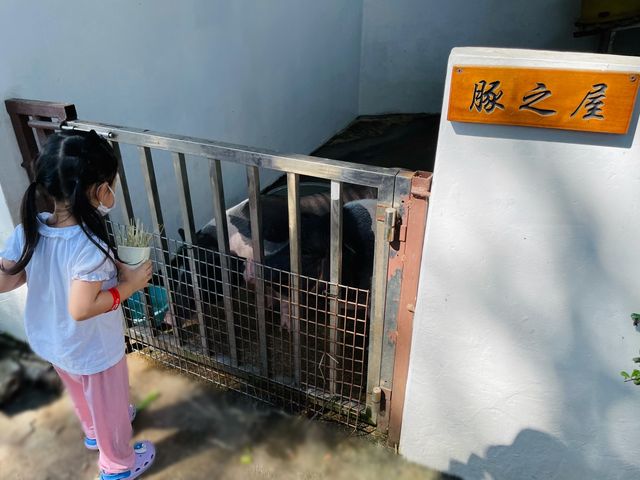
<point x="101" y="402"/>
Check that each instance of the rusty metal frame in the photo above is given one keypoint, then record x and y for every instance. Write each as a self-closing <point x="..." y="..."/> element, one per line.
<point x="404" y="263"/>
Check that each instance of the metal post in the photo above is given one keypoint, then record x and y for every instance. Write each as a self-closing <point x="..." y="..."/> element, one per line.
<point x="395" y="266"/>
<point x="124" y="198"/>
<point x="151" y="187"/>
<point x="220" y="215"/>
<point x="186" y="210"/>
<point x="335" y="279"/>
<point x="253" y="179"/>
<point x="378" y="288"/>
<point x="296" y="266"/>
<point x="394" y="280"/>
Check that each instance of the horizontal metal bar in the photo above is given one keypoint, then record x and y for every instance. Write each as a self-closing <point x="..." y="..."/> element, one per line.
<point x="41" y="134"/>
<point x="43" y="124"/>
<point x="103" y="133"/>
<point x="292" y="163"/>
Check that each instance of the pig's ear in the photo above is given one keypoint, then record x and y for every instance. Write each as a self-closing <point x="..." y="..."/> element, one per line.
<point x="181" y="233"/>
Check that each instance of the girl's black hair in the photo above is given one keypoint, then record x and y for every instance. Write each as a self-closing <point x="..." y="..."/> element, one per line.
<point x="69" y="164"/>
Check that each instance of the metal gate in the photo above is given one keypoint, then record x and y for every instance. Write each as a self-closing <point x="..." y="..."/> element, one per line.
<point x="344" y="349"/>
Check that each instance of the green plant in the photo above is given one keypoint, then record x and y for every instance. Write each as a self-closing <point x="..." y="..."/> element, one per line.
<point x="133" y="235"/>
<point x="634" y="376"/>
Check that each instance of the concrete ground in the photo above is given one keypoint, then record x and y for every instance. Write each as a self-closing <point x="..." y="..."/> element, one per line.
<point x="200" y="433"/>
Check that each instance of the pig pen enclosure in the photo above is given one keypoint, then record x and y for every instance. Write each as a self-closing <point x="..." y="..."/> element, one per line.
<point x="300" y="296"/>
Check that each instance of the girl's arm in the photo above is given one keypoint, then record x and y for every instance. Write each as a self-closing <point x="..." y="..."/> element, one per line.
<point x="86" y="299"/>
<point x="10" y="282"/>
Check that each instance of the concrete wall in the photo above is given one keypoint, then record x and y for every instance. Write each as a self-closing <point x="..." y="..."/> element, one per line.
<point x="281" y="75"/>
<point x="627" y="42"/>
<point x="405" y="43"/>
<point x="11" y="304"/>
<point x="529" y="276"/>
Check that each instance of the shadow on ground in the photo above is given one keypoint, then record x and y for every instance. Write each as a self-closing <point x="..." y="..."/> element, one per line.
<point x="26" y="381"/>
<point x="200" y="433"/>
<point x="533" y="454"/>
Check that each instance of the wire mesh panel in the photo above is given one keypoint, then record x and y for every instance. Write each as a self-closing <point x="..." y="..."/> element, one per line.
<point x="316" y="340"/>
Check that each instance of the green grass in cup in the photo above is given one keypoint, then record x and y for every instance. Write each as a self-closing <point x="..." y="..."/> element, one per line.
<point x="133" y="235"/>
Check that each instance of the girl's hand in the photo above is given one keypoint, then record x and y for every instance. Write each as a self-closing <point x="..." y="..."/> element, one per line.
<point x="137" y="278"/>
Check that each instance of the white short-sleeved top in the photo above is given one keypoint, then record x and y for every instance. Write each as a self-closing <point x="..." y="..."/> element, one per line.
<point x="62" y="255"/>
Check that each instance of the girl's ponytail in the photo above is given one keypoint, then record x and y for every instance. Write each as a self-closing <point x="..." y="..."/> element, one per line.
<point x="29" y="214"/>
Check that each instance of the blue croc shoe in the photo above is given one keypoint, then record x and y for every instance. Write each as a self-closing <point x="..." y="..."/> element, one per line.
<point x="92" y="443"/>
<point x="145" y="454"/>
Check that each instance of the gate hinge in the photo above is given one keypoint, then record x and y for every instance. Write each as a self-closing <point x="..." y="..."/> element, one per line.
<point x="381" y="408"/>
<point x="389" y="216"/>
<point x="394" y="230"/>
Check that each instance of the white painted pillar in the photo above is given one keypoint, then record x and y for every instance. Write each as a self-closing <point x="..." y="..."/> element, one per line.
<point x="530" y="272"/>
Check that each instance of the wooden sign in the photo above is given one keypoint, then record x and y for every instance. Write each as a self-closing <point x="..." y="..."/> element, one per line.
<point x="537" y="97"/>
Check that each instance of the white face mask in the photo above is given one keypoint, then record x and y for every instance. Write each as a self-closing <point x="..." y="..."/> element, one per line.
<point x="105" y="210"/>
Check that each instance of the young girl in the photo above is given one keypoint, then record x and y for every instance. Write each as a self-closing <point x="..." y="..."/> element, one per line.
<point x="73" y="317"/>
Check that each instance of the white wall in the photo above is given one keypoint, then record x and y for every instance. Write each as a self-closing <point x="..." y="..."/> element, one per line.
<point x="405" y="43"/>
<point x="281" y="75"/>
<point x="11" y="304"/>
<point x="529" y="274"/>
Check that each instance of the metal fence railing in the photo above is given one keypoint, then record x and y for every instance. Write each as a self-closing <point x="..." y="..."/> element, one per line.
<point x="313" y="341"/>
